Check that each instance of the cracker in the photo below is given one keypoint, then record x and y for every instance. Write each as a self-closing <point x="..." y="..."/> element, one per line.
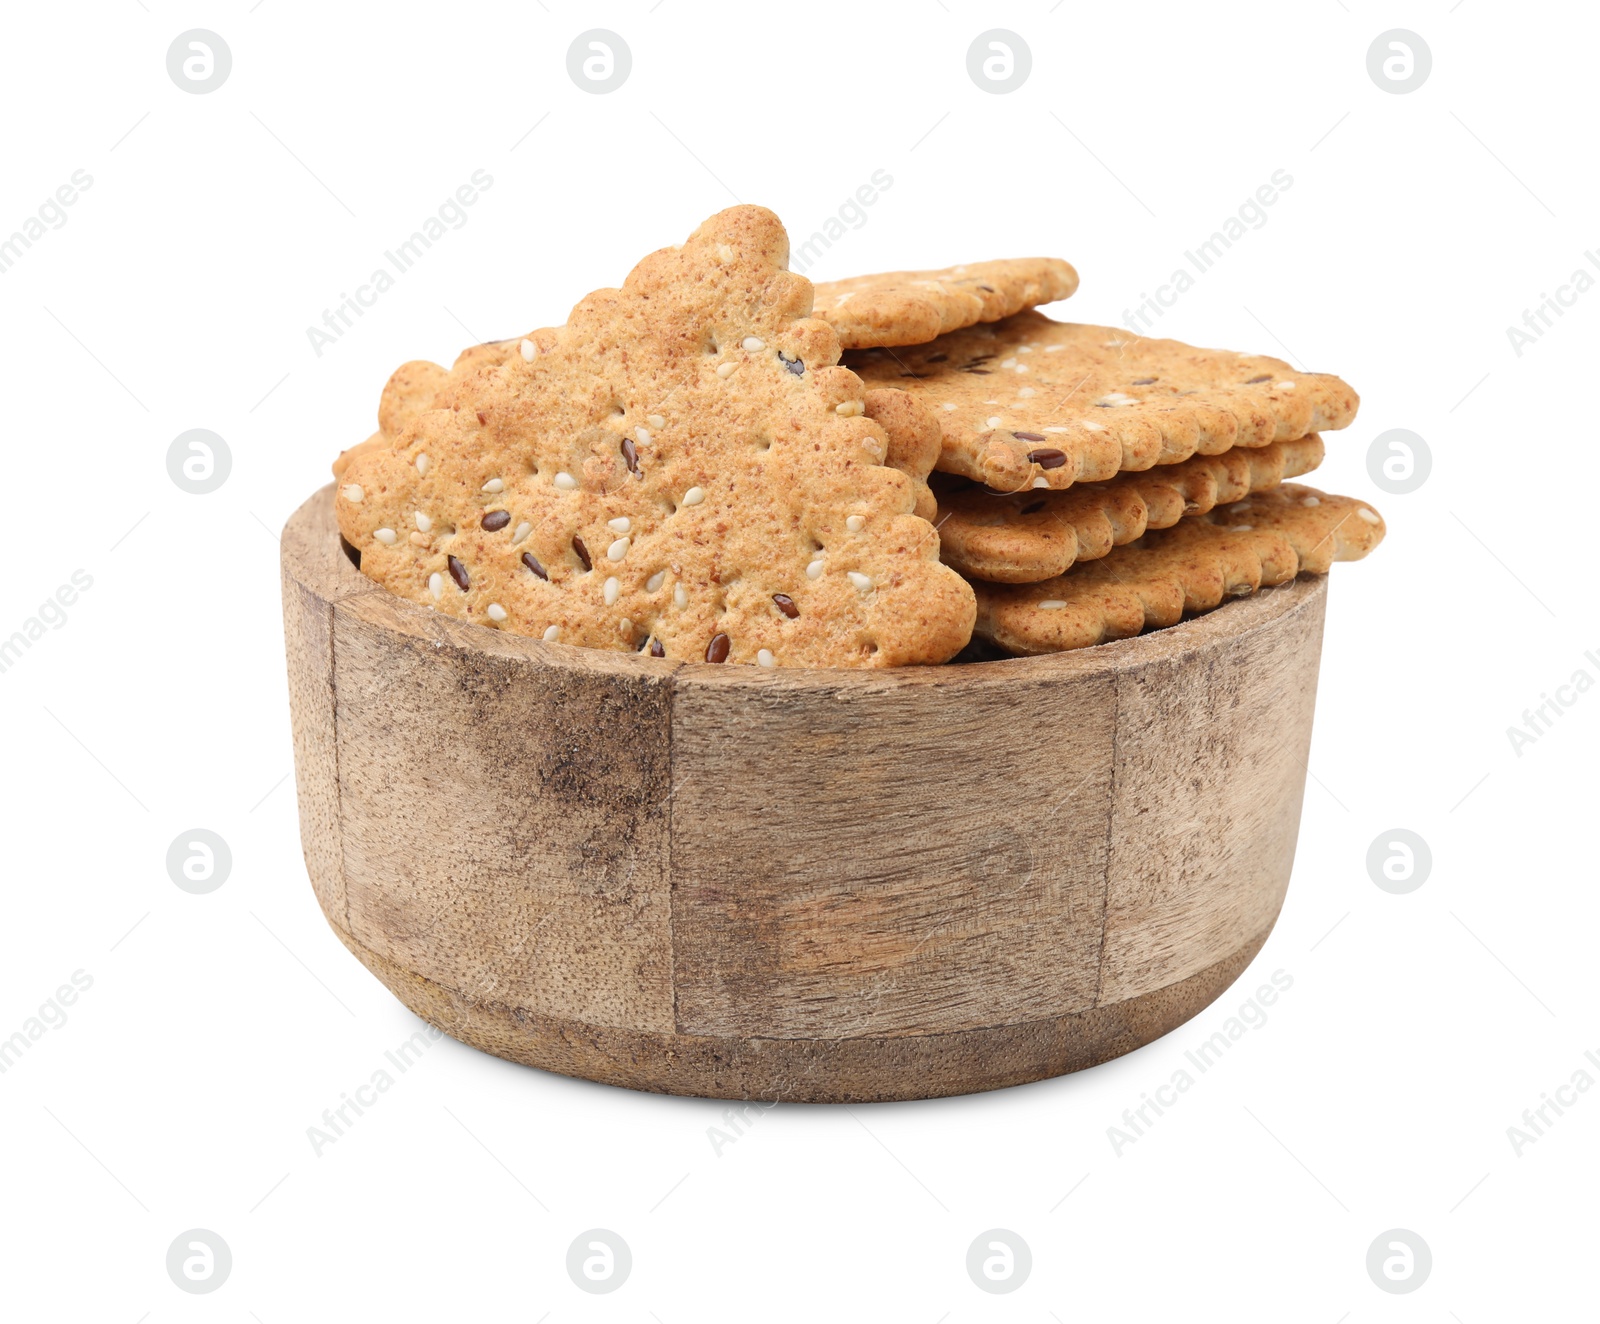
<point x="1028" y="402"/>
<point x="914" y="441"/>
<point x="682" y="469"/>
<point x="912" y="307"/>
<point x="1023" y="537"/>
<point x="1192" y="567"/>
<point x="911" y="431"/>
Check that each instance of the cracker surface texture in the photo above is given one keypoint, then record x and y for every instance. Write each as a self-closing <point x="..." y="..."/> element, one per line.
<point x="682" y="469"/>
<point x="1023" y="537"/>
<point x="912" y="307"/>
<point x="1029" y="402"/>
<point x="1192" y="567"/>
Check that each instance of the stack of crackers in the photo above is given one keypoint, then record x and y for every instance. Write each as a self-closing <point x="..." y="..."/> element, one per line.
<point x="722" y="462"/>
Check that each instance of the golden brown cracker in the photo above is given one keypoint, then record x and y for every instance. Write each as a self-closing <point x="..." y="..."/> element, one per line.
<point x="1028" y="402"/>
<point x="1192" y="567"/>
<point x="912" y="307"/>
<point x="682" y="469"/>
<point x="914" y="441"/>
<point x="1028" y="536"/>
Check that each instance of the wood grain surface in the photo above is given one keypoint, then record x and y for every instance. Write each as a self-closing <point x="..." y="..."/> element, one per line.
<point x="810" y="885"/>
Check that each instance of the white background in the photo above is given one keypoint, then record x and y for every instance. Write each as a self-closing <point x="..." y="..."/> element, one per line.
<point x="218" y="1028"/>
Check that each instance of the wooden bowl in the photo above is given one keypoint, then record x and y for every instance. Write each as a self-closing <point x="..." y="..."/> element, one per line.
<point x="818" y="885"/>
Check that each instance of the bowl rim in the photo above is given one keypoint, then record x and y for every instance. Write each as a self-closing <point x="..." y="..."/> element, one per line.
<point x="311" y="532"/>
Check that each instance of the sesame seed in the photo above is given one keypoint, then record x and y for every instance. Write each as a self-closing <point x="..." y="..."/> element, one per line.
<point x="873" y="447"/>
<point x="1063" y="429"/>
<point x="1051" y="349"/>
<point x="352" y="492"/>
<point x="625" y="628"/>
<point x="497" y="612"/>
<point x="1368" y="515"/>
<point x="385" y="536"/>
<point x="494" y="485"/>
<point x="551" y="634"/>
<point x="1041" y="481"/>
<point x="1027" y="391"/>
<point x="1283" y="386"/>
<point x="949" y="407"/>
<point x="1310" y="501"/>
<point x="814" y="570"/>
<point x="694" y="496"/>
<point x="521" y="531"/>
<point x="1008" y="363"/>
<point x="422" y="465"/>
<point x="724" y="253"/>
<point x="1053" y="604"/>
<point x="993" y="422"/>
<point x="656" y="421"/>
<point x="855" y="523"/>
<point x="565" y="481"/>
<point x="642" y="436"/>
<point x="1241" y="528"/>
<point x="680" y="597"/>
<point x="849" y="408"/>
<point x="764" y="658"/>
<point x="752" y="345"/>
<point x="527" y="351"/>
<point x="619" y="525"/>
<point x="726" y="370"/>
<point x="436" y="585"/>
<point x="654" y="583"/>
<point x="861" y="581"/>
<point x="419" y="540"/>
<point x="458" y="572"/>
<point x="423" y="522"/>
<point x="1089" y="426"/>
<point x="618" y="549"/>
<point x="613" y="589"/>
